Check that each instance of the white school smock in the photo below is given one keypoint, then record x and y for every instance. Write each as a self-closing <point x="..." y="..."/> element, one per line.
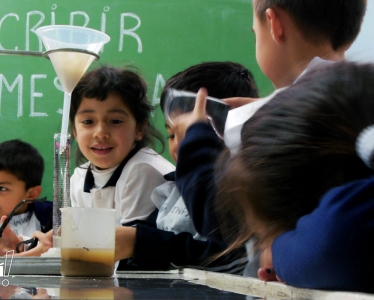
<point x="131" y="194"/>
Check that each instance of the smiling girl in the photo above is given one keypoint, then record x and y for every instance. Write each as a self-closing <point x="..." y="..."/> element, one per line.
<point x="110" y="121"/>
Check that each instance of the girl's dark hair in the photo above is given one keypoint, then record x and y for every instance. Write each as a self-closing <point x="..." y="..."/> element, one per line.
<point x="129" y="86"/>
<point x="221" y="79"/>
<point x="296" y="148"/>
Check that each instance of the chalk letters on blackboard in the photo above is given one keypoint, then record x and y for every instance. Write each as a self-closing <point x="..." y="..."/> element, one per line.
<point x="41" y="19"/>
<point x="130" y="32"/>
<point x="18" y="81"/>
<point x="34" y="94"/>
<point x="32" y="25"/>
<point x="160" y="83"/>
<point x="6" y="85"/>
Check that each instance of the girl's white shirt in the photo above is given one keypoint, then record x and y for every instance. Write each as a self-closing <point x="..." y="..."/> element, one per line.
<point x="102" y="176"/>
<point x="131" y="196"/>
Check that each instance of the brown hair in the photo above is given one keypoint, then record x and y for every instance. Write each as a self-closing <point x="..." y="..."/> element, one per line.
<point x="337" y="20"/>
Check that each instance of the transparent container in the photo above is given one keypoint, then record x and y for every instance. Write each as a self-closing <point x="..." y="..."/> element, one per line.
<point x="71" y="50"/>
<point x="87" y="241"/>
<point x="70" y="36"/>
<point x="180" y="102"/>
<point x="61" y="183"/>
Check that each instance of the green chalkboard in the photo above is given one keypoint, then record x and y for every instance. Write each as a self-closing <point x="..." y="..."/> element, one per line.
<point x="159" y="37"/>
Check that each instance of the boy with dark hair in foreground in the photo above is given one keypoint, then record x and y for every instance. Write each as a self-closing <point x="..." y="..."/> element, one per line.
<point x="21" y="173"/>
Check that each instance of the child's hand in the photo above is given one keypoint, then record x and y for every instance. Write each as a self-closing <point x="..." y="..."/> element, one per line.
<point x="239" y="101"/>
<point x="7" y="292"/>
<point x="182" y="122"/>
<point x="45" y="242"/>
<point x="125" y="242"/>
<point x="9" y="240"/>
<point x="266" y="271"/>
<point x="268" y="274"/>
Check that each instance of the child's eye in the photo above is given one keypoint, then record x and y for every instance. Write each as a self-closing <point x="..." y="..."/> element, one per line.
<point x="3" y="189"/>
<point x="170" y="136"/>
<point x="116" y="121"/>
<point x="87" y="122"/>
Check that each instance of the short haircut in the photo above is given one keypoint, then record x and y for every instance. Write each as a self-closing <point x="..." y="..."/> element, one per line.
<point x="221" y="79"/>
<point x="23" y="161"/>
<point x="337" y="20"/>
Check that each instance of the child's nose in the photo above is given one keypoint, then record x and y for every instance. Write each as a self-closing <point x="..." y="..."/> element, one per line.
<point x="101" y="131"/>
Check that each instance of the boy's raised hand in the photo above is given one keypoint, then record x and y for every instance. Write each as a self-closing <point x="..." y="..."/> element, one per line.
<point x="266" y="271"/>
<point x="184" y="121"/>
<point x="9" y="240"/>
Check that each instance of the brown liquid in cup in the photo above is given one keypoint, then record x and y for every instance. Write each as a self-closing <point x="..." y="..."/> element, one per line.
<point x="86" y="262"/>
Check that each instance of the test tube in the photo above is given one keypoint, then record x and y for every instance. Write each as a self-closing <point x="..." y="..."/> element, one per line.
<point x="65" y="121"/>
<point x="61" y="183"/>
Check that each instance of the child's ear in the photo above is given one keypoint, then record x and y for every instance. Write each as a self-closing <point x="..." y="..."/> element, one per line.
<point x="140" y="129"/>
<point x="276" y="25"/>
<point x="34" y="192"/>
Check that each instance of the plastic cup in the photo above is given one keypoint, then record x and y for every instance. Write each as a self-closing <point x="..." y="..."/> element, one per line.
<point x="87" y="241"/>
<point x="180" y="102"/>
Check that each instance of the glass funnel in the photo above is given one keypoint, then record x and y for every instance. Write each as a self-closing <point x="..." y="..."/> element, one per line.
<point x="71" y="50"/>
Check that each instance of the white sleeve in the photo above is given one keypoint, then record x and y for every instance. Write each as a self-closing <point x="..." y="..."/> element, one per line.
<point x="76" y="188"/>
<point x="135" y="199"/>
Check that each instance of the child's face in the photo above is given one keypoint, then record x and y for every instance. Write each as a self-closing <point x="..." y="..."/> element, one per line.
<point x="12" y="192"/>
<point x="105" y="131"/>
<point x="173" y="144"/>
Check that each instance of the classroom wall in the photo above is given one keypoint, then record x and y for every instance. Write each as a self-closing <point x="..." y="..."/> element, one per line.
<point x="159" y="37"/>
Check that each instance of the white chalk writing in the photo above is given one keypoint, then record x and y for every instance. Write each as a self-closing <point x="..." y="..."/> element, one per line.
<point x="12" y="87"/>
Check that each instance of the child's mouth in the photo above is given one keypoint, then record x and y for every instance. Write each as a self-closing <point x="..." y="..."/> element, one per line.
<point x="101" y="150"/>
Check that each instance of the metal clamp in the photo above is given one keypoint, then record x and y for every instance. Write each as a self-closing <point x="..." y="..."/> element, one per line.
<point x="46" y="53"/>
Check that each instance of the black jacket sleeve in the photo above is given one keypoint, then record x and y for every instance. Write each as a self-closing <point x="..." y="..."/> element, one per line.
<point x="44" y="213"/>
<point x="156" y="249"/>
<point x="197" y="155"/>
